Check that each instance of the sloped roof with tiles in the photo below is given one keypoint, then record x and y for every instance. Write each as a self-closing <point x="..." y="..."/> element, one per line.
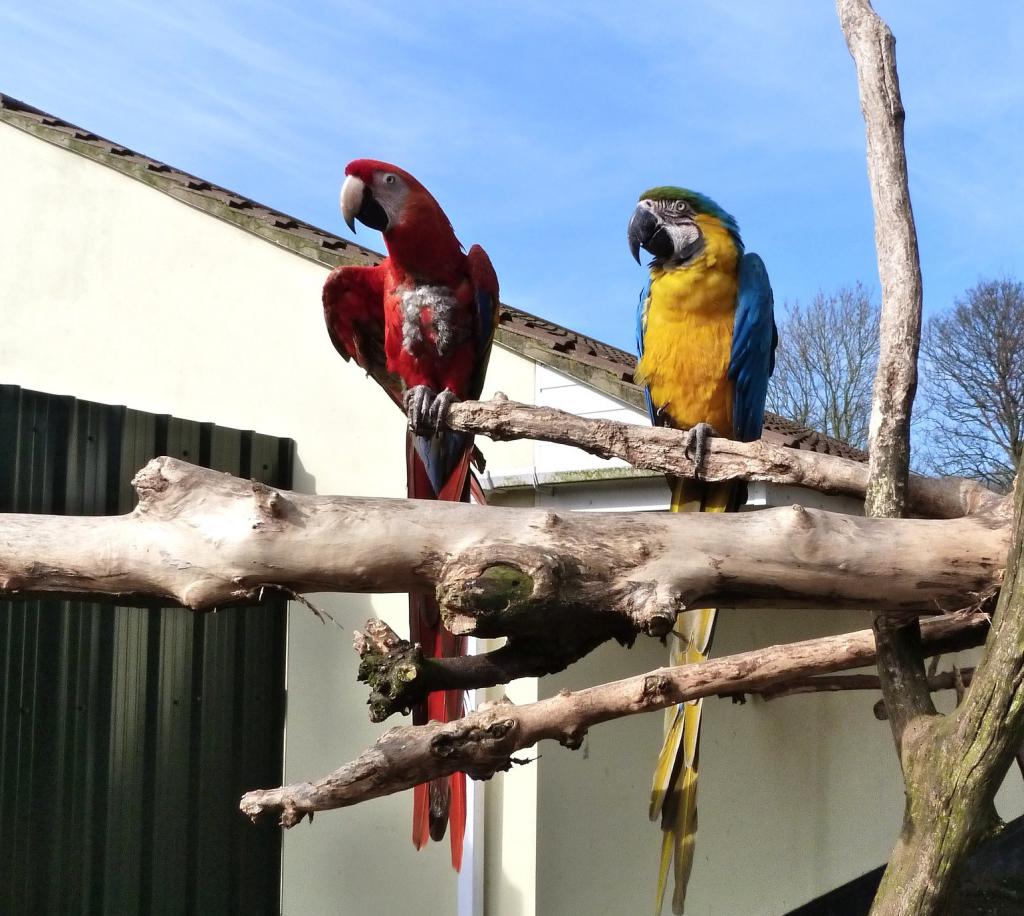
<point x="590" y="361"/>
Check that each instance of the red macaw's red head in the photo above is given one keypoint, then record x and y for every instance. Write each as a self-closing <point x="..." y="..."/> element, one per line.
<point x="416" y="231"/>
<point x="381" y="195"/>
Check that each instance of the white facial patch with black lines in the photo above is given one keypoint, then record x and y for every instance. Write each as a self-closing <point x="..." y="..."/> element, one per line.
<point x="431" y="315"/>
<point x="687" y="240"/>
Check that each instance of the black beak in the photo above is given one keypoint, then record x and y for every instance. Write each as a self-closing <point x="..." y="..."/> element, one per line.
<point x="358" y="203"/>
<point x="647" y="231"/>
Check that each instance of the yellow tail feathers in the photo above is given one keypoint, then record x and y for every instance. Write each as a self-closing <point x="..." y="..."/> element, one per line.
<point x="674" y="789"/>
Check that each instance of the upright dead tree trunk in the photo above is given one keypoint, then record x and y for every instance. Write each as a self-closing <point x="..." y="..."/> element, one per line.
<point x="952" y="765"/>
<point x="873" y="49"/>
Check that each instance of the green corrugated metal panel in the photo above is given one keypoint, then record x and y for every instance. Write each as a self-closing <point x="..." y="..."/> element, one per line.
<point x="129" y="734"/>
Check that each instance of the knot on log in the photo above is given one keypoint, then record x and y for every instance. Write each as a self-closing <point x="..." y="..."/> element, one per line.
<point x="653" y="608"/>
<point x="480" y="750"/>
<point x="801" y="518"/>
<point x="572" y="738"/>
<point x="11" y="585"/>
<point x="270" y="506"/>
<point x="653" y="688"/>
<point x="502" y="590"/>
<point x="292" y="814"/>
<point x="458" y="737"/>
<point x="150" y="482"/>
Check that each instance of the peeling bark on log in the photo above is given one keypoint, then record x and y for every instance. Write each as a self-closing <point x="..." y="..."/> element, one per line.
<point x="661" y="449"/>
<point x="204" y="539"/>
<point x="482" y="743"/>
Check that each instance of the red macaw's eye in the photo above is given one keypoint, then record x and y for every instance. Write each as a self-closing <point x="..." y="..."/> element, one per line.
<point x="390" y="179"/>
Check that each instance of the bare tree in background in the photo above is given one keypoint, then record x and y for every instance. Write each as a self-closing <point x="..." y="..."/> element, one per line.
<point x="973" y="381"/>
<point x="825" y="363"/>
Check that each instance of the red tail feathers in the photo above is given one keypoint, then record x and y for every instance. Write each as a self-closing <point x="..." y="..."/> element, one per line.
<point x="441" y="804"/>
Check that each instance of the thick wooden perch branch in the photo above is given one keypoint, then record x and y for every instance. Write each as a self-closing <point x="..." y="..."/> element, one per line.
<point x="483" y="742"/>
<point x="205" y="539"/>
<point x="661" y="449"/>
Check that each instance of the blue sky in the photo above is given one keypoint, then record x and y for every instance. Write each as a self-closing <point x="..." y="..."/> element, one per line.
<point x="536" y="124"/>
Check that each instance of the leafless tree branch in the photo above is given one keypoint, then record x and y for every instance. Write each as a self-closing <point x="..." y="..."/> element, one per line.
<point x="824" y="366"/>
<point x="975" y="384"/>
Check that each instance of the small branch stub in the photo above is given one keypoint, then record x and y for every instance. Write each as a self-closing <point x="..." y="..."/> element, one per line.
<point x="391" y="667"/>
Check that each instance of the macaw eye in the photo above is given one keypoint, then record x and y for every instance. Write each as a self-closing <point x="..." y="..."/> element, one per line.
<point x="390" y="179"/>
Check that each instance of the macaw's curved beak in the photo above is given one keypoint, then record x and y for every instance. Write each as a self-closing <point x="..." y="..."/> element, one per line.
<point x="647" y="231"/>
<point x="358" y="203"/>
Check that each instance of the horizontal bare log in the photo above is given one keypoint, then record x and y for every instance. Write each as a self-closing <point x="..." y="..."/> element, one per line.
<point x="205" y="539"/>
<point x="484" y="742"/>
<point x="661" y="449"/>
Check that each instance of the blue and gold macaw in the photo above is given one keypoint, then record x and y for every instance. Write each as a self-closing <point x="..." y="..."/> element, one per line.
<point x="706" y="336"/>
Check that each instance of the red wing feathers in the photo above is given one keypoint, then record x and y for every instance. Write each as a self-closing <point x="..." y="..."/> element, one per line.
<point x="353" y="299"/>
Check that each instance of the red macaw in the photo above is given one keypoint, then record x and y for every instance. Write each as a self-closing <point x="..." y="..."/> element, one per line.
<point x="421" y="324"/>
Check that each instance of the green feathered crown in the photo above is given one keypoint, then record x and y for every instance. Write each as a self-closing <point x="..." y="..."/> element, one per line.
<point x="700" y="203"/>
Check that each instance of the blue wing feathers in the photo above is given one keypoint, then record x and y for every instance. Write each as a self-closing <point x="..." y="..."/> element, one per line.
<point x="754" y="339"/>
<point x="641" y="331"/>
<point x="485" y="320"/>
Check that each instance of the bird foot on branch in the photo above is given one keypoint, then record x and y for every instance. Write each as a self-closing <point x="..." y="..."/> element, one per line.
<point x="427" y="411"/>
<point x="696" y="445"/>
<point x="439" y="409"/>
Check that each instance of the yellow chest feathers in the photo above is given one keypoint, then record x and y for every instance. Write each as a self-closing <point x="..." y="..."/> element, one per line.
<point x="688" y="339"/>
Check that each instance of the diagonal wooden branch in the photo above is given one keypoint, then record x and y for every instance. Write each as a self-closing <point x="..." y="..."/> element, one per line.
<point x="661" y="449"/>
<point x="484" y="742"/>
<point x="204" y="539"/>
<point x="946" y="680"/>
